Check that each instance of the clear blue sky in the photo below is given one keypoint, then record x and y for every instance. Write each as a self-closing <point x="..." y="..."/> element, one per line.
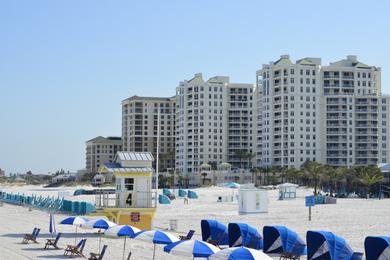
<point x="65" y="66"/>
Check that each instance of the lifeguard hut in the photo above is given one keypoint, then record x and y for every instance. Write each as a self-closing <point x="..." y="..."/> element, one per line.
<point x="287" y="191"/>
<point x="134" y="202"/>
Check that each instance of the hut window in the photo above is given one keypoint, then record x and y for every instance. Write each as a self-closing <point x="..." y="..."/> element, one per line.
<point x="129" y="183"/>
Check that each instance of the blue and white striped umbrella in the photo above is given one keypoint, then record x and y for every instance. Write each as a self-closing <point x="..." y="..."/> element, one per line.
<point x="239" y="253"/>
<point x="100" y="223"/>
<point x="75" y="221"/>
<point x="191" y="248"/>
<point x="156" y="237"/>
<point x="122" y="231"/>
<point x="52" y="224"/>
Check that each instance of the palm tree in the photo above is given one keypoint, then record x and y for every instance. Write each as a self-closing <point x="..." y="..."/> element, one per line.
<point x="333" y="176"/>
<point x="369" y="176"/>
<point x="242" y="154"/>
<point x="314" y="171"/>
<point x="204" y="174"/>
<point x="292" y="175"/>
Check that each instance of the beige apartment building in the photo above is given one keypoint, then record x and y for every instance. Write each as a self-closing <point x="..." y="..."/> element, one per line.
<point x="100" y="150"/>
<point x="140" y="124"/>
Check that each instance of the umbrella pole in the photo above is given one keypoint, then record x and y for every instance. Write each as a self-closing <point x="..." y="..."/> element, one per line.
<point x="100" y="241"/>
<point x="75" y="237"/>
<point x="124" y="248"/>
<point x="154" y="250"/>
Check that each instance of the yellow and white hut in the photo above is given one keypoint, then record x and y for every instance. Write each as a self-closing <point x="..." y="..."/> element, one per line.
<point x="134" y="201"/>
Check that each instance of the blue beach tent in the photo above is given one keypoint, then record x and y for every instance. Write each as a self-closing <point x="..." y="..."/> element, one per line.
<point x="282" y="240"/>
<point x="163" y="199"/>
<point x="241" y="234"/>
<point x="326" y="245"/>
<point x="212" y="229"/>
<point x="377" y="248"/>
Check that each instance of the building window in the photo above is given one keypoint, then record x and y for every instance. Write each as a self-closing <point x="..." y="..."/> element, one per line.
<point x="129" y="183"/>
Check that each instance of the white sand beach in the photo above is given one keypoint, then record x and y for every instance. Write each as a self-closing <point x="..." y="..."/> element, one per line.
<point x="353" y="219"/>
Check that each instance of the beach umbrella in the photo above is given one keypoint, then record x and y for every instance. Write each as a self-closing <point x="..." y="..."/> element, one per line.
<point x="241" y="234"/>
<point x="75" y="221"/>
<point x="212" y="229"/>
<point x="326" y="245"/>
<point x="122" y="231"/>
<point x="191" y="248"/>
<point x="377" y="247"/>
<point x="156" y="237"/>
<point x="239" y="253"/>
<point x="233" y="185"/>
<point x="284" y="241"/>
<point x="100" y="223"/>
<point x="52" y="224"/>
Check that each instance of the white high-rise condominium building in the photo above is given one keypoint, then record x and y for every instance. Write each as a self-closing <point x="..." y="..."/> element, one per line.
<point x="332" y="114"/>
<point x="214" y="119"/>
<point x="100" y="150"/>
<point x="140" y="124"/>
<point x="290" y="102"/>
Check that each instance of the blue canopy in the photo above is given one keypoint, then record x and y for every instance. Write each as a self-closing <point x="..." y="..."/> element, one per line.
<point x="212" y="229"/>
<point x="326" y="245"/>
<point x="280" y="239"/>
<point x="377" y="248"/>
<point x="241" y="234"/>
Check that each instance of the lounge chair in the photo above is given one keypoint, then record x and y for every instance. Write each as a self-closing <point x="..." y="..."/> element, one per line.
<point x="129" y="256"/>
<point x="76" y="249"/>
<point x="94" y="256"/>
<point x="188" y="236"/>
<point x="53" y="242"/>
<point x="31" y="237"/>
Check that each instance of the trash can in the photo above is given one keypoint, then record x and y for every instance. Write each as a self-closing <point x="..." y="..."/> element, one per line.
<point x="173" y="224"/>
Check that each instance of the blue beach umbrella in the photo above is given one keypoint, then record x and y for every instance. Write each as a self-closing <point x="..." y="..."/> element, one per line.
<point x="282" y="240"/>
<point x="100" y="223"/>
<point x="241" y="234"/>
<point x="74" y="221"/>
<point x="191" y="248"/>
<point x="377" y="248"/>
<point x="233" y="185"/>
<point x="214" y="230"/>
<point x="239" y="253"/>
<point x="325" y="244"/>
<point x="156" y="237"/>
<point x="122" y="231"/>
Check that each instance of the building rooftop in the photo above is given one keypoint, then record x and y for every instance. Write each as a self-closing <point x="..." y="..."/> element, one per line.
<point x="139" y="98"/>
<point x="350" y="61"/>
<point x="134" y="156"/>
<point x="102" y="139"/>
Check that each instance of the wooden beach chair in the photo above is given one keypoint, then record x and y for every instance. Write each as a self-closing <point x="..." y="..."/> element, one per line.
<point x="94" y="256"/>
<point x="188" y="236"/>
<point x="76" y="249"/>
<point x="31" y="237"/>
<point x="53" y="242"/>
